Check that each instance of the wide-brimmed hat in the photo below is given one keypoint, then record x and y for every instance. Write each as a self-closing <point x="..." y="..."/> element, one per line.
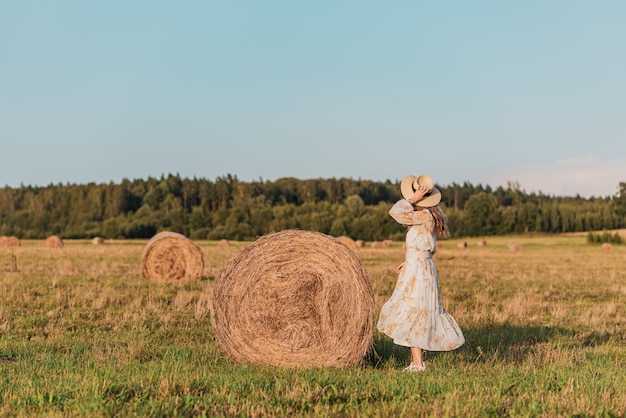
<point x="411" y="183"/>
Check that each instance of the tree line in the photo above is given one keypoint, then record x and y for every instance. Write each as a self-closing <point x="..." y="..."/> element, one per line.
<point x="228" y="208"/>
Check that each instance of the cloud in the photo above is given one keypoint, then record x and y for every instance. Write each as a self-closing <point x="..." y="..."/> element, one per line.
<point x="585" y="176"/>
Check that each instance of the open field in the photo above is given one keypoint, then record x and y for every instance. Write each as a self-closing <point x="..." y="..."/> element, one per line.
<point x="620" y="232"/>
<point x="83" y="334"/>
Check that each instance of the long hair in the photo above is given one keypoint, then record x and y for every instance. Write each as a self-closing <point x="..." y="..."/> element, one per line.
<point x="441" y="220"/>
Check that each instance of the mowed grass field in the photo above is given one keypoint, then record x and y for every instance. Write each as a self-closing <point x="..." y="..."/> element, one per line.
<point x="83" y="334"/>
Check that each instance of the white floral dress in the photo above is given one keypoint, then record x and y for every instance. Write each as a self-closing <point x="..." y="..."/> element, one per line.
<point x="414" y="316"/>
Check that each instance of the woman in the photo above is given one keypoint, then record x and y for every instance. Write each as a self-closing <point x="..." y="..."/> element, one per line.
<point x="414" y="316"/>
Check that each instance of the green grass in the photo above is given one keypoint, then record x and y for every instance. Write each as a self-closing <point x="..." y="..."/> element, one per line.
<point x="83" y="334"/>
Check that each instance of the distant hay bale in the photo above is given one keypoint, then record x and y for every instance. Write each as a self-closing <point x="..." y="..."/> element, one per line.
<point x="515" y="247"/>
<point x="461" y="244"/>
<point x="387" y="243"/>
<point x="53" y="241"/>
<point x="360" y="243"/>
<point x="97" y="241"/>
<point x="172" y="256"/>
<point x="348" y="242"/>
<point x="607" y="247"/>
<point x="11" y="241"/>
<point x="223" y="243"/>
<point x="481" y="243"/>
<point x="377" y="244"/>
<point x="294" y="298"/>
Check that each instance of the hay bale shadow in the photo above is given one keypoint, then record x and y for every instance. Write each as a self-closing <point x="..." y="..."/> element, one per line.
<point x="386" y="353"/>
<point x="505" y="343"/>
<point x="514" y="344"/>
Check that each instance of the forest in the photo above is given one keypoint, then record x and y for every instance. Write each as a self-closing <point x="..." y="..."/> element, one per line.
<point x="228" y="208"/>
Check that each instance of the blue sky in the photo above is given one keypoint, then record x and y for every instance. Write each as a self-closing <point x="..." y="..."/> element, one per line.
<point x="487" y="92"/>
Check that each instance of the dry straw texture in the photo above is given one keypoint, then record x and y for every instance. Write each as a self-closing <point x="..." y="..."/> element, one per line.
<point x="172" y="256"/>
<point x="53" y="241"/>
<point x="294" y="298"/>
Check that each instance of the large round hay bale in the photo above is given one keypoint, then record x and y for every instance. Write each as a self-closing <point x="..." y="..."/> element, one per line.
<point x="172" y="256"/>
<point x="514" y="247"/>
<point x="223" y="243"/>
<point x="294" y="298"/>
<point x="53" y="241"/>
<point x="607" y="247"/>
<point x="3" y="240"/>
<point x="97" y="241"/>
<point x="481" y="243"/>
<point x="13" y="241"/>
<point x="348" y="242"/>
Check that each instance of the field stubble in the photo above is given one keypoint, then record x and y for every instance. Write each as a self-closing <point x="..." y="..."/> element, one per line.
<point x="83" y="334"/>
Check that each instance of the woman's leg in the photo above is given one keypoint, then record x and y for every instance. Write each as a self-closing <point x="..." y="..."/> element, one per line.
<point x="416" y="355"/>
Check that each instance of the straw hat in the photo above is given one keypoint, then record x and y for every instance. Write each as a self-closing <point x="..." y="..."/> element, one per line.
<point x="411" y="183"/>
